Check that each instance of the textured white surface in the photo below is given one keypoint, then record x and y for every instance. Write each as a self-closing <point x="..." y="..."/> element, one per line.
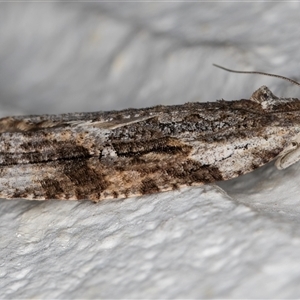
<point x="192" y="243"/>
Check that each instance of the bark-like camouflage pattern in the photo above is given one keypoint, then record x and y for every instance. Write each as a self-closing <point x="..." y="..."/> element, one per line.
<point x="134" y="152"/>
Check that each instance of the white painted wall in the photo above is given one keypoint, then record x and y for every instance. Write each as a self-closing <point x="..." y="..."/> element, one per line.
<point x="192" y="243"/>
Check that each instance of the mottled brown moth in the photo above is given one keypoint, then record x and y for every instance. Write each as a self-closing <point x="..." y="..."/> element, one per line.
<point x="133" y="152"/>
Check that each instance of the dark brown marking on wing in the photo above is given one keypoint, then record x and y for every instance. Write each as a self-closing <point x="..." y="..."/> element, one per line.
<point x="149" y="186"/>
<point x="51" y="187"/>
<point x="115" y="194"/>
<point x="84" y="179"/>
<point x="175" y="187"/>
<point x="171" y="146"/>
<point x="190" y="171"/>
<point x="44" y="153"/>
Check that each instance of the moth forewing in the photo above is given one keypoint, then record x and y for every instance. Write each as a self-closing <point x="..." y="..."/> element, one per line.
<point x="134" y="152"/>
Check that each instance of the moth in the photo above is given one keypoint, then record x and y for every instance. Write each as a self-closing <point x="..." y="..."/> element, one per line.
<point x="132" y="152"/>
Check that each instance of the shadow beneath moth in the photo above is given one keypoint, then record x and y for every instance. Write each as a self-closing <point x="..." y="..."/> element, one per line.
<point x="133" y="152"/>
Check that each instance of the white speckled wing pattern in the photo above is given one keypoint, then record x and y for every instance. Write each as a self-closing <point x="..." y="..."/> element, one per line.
<point x="133" y="152"/>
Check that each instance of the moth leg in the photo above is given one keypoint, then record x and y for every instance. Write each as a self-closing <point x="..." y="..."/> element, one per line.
<point x="289" y="155"/>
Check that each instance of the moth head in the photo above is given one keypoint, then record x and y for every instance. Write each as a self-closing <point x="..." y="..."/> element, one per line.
<point x="263" y="94"/>
<point x="265" y="97"/>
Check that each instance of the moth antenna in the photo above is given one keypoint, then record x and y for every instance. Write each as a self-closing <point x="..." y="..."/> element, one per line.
<point x="256" y="72"/>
